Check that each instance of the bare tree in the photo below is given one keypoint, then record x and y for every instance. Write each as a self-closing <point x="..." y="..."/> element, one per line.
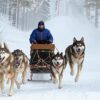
<point x="93" y="6"/>
<point x="24" y="14"/>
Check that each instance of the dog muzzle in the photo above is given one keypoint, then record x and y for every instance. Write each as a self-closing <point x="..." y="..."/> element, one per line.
<point x="17" y="63"/>
<point x="57" y="66"/>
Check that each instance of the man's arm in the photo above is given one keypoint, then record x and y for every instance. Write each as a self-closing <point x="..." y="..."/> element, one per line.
<point x="50" y="37"/>
<point x="32" y="38"/>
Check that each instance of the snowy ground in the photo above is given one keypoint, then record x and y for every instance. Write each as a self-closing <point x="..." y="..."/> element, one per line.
<point x="63" y="29"/>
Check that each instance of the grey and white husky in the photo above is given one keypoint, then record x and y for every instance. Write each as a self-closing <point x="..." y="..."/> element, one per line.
<point x="58" y="66"/>
<point x="75" y="55"/>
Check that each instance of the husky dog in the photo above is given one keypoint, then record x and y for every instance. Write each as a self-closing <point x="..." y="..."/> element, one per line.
<point x="75" y="54"/>
<point x="20" y="64"/>
<point x="6" y="68"/>
<point x="10" y="66"/>
<point x="58" y="66"/>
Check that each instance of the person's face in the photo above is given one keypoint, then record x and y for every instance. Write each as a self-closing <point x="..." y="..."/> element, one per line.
<point x="41" y="26"/>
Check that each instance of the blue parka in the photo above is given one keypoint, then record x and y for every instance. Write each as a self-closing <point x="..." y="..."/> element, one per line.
<point x="37" y="35"/>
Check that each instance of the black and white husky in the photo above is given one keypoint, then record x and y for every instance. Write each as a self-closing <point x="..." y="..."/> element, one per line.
<point x="75" y="55"/>
<point x="58" y="66"/>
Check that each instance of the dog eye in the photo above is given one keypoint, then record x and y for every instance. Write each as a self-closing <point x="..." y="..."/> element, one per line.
<point x="58" y="58"/>
<point x="80" y="44"/>
<point x="77" y="45"/>
<point x="55" y="59"/>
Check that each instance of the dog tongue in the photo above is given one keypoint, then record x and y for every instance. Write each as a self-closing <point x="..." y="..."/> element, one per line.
<point x="57" y="65"/>
<point x="17" y="62"/>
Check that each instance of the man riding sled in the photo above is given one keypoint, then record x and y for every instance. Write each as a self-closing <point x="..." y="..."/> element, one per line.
<point x="41" y="35"/>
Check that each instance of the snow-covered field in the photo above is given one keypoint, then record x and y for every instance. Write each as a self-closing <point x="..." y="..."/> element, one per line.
<point x="63" y="29"/>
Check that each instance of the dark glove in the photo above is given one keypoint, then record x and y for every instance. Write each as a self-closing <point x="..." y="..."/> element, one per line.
<point x="34" y="42"/>
<point x="48" y="42"/>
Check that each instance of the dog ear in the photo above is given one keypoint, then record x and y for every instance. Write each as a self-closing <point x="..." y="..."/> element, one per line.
<point x="13" y="52"/>
<point x="6" y="47"/>
<point x="82" y="39"/>
<point x="22" y="52"/>
<point x="57" y="53"/>
<point x="61" y="54"/>
<point x="74" y="40"/>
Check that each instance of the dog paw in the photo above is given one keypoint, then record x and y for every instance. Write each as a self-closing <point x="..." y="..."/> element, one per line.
<point x="10" y="94"/>
<point x="60" y="87"/>
<point x="76" y="79"/>
<point x="18" y="87"/>
<point x="23" y="82"/>
<point x="31" y="79"/>
<point x="72" y="73"/>
<point x="55" y="81"/>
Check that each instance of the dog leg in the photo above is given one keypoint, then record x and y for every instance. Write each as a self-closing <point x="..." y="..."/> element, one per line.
<point x="12" y="86"/>
<point x="81" y="66"/>
<point x="31" y="76"/>
<point x="78" y="73"/>
<point x="60" y="81"/>
<point x="16" y="81"/>
<point x="55" y="76"/>
<point x="18" y="84"/>
<point x="72" y="69"/>
<point x="54" y="80"/>
<point x="24" y="76"/>
<point x="51" y="77"/>
<point x="2" y="85"/>
<point x="25" y="72"/>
